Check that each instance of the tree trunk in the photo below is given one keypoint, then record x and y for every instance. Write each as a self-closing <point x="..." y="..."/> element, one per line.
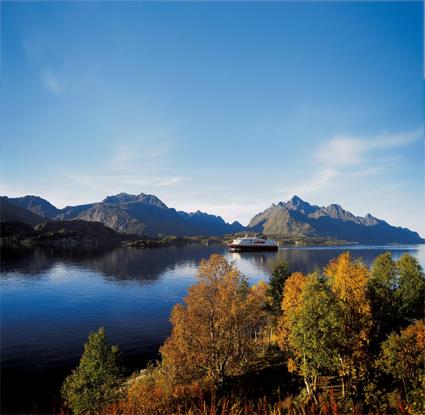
<point x="307" y="385"/>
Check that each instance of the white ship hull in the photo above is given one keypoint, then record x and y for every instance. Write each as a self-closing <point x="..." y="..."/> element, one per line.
<point x="237" y="248"/>
<point x="253" y="244"/>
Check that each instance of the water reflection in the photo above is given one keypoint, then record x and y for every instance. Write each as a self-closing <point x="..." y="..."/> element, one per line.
<point x="132" y="264"/>
<point x="51" y="299"/>
<point x="309" y="259"/>
<point x="122" y="264"/>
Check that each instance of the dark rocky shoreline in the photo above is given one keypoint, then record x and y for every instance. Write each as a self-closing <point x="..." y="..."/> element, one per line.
<point x="83" y="234"/>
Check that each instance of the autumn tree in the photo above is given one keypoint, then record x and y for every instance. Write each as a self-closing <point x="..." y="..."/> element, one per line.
<point x="148" y="393"/>
<point x="291" y="301"/>
<point x="258" y="301"/>
<point x="311" y="328"/>
<point x="348" y="279"/>
<point x="96" y="382"/>
<point x="279" y="275"/>
<point x="403" y="357"/>
<point x="215" y="331"/>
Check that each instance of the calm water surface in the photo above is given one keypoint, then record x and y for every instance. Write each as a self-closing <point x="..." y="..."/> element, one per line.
<point x="50" y="300"/>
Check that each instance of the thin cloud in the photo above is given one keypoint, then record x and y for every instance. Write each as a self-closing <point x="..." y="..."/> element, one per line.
<point x="150" y="181"/>
<point x="170" y="181"/>
<point x="346" y="150"/>
<point x="342" y="159"/>
<point x="367" y="172"/>
<point x="128" y="157"/>
<point x="319" y="182"/>
<point x="398" y="140"/>
<point x="51" y="82"/>
<point x="109" y="182"/>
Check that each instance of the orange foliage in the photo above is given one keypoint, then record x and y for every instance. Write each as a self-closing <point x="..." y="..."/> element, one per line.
<point x="348" y="279"/>
<point x="215" y="332"/>
<point x="223" y="325"/>
<point x="290" y="302"/>
<point x="292" y="291"/>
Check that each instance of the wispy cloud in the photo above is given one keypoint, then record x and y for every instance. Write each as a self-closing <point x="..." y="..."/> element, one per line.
<point x="367" y="171"/>
<point x="149" y="181"/>
<point x="51" y="82"/>
<point x="342" y="159"/>
<point x="170" y="181"/>
<point x="317" y="183"/>
<point x="130" y="156"/>
<point x="110" y="183"/>
<point x="348" y="150"/>
<point x="139" y="149"/>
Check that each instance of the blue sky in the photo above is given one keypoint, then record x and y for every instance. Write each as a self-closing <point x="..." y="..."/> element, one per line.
<point x="222" y="107"/>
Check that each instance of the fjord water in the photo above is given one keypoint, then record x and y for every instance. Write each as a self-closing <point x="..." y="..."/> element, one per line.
<point x="51" y="300"/>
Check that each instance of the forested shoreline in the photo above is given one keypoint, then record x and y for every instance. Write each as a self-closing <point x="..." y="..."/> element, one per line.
<point x="345" y="339"/>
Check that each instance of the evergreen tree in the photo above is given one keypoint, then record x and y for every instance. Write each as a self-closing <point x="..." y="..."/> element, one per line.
<point x="396" y="290"/>
<point x="412" y="287"/>
<point x="96" y="381"/>
<point x="280" y="274"/>
<point x="381" y="288"/>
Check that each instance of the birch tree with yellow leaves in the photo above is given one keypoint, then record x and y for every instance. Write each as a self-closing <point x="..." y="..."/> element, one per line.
<point x="216" y="330"/>
<point x="348" y="280"/>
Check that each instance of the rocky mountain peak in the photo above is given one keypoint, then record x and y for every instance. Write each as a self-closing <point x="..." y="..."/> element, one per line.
<point x="334" y="209"/>
<point x="151" y="200"/>
<point x="296" y="199"/>
<point x="37" y="205"/>
<point x="370" y="220"/>
<point x="119" y="198"/>
<point x="296" y="203"/>
<point x="142" y="198"/>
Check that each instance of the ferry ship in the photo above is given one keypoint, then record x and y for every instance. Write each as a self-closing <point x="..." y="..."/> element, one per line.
<point x="253" y="244"/>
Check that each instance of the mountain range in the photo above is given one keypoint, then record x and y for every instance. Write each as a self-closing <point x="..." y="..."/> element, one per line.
<point x="299" y="218"/>
<point x="147" y="215"/>
<point x="130" y="214"/>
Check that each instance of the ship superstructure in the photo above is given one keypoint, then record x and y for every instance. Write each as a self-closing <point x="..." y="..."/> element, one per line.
<point x="248" y="243"/>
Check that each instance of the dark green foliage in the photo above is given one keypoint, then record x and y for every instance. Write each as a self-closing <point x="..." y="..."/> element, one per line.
<point x="396" y="291"/>
<point x="411" y="293"/>
<point x="403" y="357"/>
<point x="382" y="286"/>
<point x="280" y="273"/>
<point x="316" y="336"/>
<point x="96" y="382"/>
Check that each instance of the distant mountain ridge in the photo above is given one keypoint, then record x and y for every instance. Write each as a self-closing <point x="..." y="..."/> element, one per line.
<point x="141" y="214"/>
<point x="11" y="212"/>
<point x="298" y="218"/>
<point x="36" y="205"/>
<point x="145" y="214"/>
